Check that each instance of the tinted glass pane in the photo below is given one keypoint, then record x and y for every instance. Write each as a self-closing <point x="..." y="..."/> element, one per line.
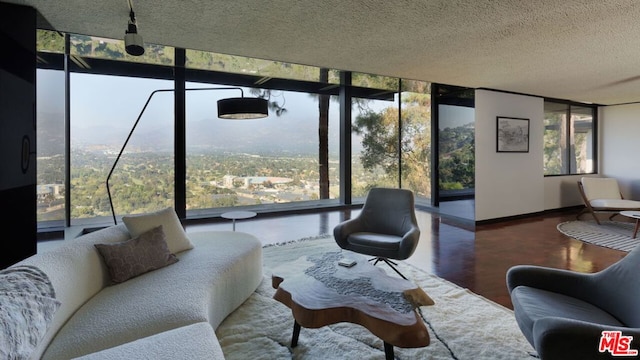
<point x="375" y="133"/>
<point x="457" y="150"/>
<point x="103" y="111"/>
<point x="261" y="162"/>
<point x="568" y="139"/>
<point x="583" y="139"/>
<point x="555" y="138"/>
<point x="50" y="147"/>
<point x="416" y="138"/>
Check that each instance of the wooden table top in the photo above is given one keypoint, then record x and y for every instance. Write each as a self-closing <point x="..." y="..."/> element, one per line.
<point x="320" y="292"/>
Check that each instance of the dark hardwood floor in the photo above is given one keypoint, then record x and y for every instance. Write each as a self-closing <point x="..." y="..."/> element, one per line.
<point x="477" y="260"/>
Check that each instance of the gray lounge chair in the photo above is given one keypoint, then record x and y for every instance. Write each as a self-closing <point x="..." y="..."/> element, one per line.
<point x="563" y="313"/>
<point x="386" y="228"/>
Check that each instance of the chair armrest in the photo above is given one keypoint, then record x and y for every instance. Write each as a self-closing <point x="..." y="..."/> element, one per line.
<point x="409" y="243"/>
<point x="570" y="283"/>
<point x="342" y="231"/>
<point x="562" y="338"/>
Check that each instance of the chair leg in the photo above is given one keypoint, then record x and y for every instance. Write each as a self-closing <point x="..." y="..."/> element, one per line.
<point x="588" y="210"/>
<point x="390" y="263"/>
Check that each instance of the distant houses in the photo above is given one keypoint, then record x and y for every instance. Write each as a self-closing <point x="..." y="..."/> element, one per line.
<point x="48" y="191"/>
<point x="229" y="181"/>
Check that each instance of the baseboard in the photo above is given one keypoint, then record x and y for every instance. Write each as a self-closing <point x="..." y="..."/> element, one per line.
<point x="569" y="209"/>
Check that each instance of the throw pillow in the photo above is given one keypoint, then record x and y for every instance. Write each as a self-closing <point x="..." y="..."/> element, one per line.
<point x="177" y="239"/>
<point x="136" y="256"/>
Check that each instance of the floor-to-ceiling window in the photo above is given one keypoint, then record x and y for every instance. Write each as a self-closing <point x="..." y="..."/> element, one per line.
<point x="289" y="159"/>
<point x="80" y="136"/>
<point x="456" y="143"/>
<point x="453" y="165"/>
<point x="391" y="137"/>
<point x="292" y="157"/>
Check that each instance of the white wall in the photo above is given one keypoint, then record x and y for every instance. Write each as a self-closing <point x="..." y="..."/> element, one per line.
<point x="508" y="184"/>
<point x="562" y="191"/>
<point x="620" y="147"/>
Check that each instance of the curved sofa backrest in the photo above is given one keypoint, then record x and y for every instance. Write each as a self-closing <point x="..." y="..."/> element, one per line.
<point x="77" y="273"/>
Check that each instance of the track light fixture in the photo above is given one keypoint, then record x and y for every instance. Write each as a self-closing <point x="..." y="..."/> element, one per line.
<point x="133" y="43"/>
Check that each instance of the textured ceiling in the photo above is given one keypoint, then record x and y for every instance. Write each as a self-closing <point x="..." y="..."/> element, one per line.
<point x="585" y="51"/>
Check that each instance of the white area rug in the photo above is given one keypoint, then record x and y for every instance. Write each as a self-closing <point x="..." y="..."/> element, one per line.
<point x="611" y="234"/>
<point x="461" y="324"/>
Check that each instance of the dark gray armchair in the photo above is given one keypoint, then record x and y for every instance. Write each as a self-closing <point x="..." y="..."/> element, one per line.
<point x="563" y="313"/>
<point x="386" y="228"/>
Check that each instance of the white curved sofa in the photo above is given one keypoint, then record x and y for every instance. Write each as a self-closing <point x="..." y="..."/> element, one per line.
<point x="168" y="313"/>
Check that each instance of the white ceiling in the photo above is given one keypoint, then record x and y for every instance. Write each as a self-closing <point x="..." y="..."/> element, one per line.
<point x="585" y="51"/>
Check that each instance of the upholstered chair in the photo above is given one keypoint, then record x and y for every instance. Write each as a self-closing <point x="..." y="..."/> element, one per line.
<point x="385" y="229"/>
<point x="565" y="314"/>
<point x="603" y="195"/>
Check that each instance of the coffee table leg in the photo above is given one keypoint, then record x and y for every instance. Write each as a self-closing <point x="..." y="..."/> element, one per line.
<point x="296" y="333"/>
<point x="388" y="351"/>
<point x="635" y="230"/>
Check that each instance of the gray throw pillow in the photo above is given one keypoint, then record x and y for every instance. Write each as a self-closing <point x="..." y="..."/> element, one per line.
<point x="139" y="255"/>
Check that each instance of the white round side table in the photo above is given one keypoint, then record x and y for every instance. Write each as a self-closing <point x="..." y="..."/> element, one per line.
<point x="633" y="215"/>
<point x="238" y="215"/>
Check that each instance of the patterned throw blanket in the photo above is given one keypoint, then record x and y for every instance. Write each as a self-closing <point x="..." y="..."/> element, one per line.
<point x="27" y="305"/>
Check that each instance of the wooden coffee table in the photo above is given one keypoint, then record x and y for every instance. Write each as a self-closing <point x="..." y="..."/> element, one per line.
<point x="319" y="292"/>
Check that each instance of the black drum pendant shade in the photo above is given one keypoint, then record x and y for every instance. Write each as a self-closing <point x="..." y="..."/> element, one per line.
<point x="242" y="108"/>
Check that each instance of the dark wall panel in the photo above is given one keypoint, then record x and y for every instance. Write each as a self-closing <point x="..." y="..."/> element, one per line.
<point x="20" y="218"/>
<point x="17" y="132"/>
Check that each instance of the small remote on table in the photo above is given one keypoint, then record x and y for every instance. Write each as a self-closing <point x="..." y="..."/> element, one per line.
<point x="347" y="262"/>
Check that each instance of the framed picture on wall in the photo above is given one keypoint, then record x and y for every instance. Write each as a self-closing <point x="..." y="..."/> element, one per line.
<point x="513" y="134"/>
